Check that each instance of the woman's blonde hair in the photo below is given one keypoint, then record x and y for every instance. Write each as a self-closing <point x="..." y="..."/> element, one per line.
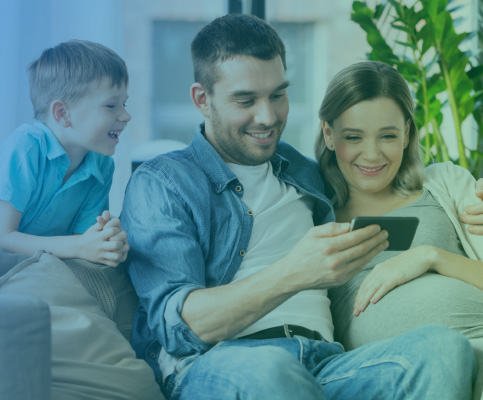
<point x="359" y="82"/>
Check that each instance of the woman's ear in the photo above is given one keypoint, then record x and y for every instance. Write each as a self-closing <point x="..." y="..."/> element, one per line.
<point x="327" y="131"/>
<point x="200" y="98"/>
<point x="406" y="133"/>
<point x="60" y="113"/>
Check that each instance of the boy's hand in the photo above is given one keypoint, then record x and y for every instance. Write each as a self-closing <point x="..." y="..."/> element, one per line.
<point x="474" y="213"/>
<point x="105" y="242"/>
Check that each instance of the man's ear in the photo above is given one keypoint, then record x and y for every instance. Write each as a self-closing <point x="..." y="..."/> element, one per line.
<point x="200" y="99"/>
<point x="60" y="113"/>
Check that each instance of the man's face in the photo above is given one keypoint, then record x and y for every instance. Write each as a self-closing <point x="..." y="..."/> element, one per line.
<point x="247" y="110"/>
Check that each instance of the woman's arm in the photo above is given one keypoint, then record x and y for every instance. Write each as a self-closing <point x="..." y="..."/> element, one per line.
<point x="411" y="264"/>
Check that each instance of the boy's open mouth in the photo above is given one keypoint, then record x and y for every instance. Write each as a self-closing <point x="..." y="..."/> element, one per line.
<point x="114" y="135"/>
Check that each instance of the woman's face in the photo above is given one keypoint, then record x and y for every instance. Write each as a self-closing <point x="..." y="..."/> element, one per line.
<point x="369" y="141"/>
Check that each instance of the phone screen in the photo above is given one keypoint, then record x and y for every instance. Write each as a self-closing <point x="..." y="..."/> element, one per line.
<point x="401" y="230"/>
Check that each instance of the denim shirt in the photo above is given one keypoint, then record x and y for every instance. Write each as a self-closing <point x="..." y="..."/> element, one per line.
<point x="188" y="229"/>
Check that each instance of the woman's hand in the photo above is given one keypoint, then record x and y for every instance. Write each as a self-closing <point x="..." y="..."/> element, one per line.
<point x="391" y="273"/>
<point x="474" y="213"/>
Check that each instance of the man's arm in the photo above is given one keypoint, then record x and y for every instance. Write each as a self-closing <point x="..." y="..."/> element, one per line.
<point x="94" y="245"/>
<point x="167" y="263"/>
<point x="327" y="256"/>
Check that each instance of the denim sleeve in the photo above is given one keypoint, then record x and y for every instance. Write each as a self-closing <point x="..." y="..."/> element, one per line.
<point x="165" y="258"/>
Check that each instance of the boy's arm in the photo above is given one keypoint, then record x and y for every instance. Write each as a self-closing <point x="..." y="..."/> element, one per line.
<point x="94" y="245"/>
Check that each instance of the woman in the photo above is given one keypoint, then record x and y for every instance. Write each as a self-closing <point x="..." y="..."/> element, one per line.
<point x="368" y="152"/>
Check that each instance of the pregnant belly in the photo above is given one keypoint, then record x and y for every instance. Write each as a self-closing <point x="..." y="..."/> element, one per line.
<point x="429" y="299"/>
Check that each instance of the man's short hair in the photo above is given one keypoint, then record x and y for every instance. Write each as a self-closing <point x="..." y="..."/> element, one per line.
<point x="229" y="36"/>
<point x="67" y="70"/>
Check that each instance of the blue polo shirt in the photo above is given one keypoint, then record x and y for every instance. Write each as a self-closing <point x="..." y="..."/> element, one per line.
<point x="32" y="166"/>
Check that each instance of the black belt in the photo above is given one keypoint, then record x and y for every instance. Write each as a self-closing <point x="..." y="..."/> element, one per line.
<point x="284" y="331"/>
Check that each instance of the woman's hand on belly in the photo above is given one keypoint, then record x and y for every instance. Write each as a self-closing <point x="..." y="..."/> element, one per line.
<point x="394" y="272"/>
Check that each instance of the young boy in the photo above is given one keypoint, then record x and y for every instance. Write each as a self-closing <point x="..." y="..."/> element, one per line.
<point x="55" y="175"/>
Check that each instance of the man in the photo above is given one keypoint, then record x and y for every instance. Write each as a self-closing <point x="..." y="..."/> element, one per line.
<point x="232" y="287"/>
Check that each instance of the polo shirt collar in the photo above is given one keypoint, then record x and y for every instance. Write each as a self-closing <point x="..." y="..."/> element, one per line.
<point x="90" y="164"/>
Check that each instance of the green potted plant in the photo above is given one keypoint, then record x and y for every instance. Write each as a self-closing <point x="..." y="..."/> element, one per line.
<point x="427" y="52"/>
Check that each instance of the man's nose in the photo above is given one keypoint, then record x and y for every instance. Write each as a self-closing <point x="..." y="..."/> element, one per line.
<point x="265" y="114"/>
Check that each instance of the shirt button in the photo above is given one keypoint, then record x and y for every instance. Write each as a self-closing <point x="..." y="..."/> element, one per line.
<point x="250" y="213"/>
<point x="152" y="355"/>
<point x="238" y="188"/>
<point x="64" y="159"/>
<point x="242" y="252"/>
<point x="159" y="379"/>
<point x="49" y="211"/>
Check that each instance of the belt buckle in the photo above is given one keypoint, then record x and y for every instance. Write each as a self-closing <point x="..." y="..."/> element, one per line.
<point x="288" y="332"/>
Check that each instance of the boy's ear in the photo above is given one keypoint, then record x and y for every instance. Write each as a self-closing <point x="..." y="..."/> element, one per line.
<point x="60" y="113"/>
<point x="200" y="99"/>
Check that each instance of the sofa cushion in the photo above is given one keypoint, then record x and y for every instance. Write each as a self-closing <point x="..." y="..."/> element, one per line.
<point x="113" y="289"/>
<point x="90" y="357"/>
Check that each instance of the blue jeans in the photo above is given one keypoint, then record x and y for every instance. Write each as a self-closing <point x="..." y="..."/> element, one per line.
<point x="431" y="362"/>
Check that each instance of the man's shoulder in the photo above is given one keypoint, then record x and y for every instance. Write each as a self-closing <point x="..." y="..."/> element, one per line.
<point x="300" y="167"/>
<point x="293" y="155"/>
<point x="172" y="161"/>
<point x="177" y="168"/>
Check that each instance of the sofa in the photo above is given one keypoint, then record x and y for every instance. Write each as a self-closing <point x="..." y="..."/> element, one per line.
<point x="65" y="328"/>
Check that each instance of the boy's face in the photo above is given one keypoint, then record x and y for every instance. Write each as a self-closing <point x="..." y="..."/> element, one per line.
<point x="97" y="119"/>
<point x="247" y="110"/>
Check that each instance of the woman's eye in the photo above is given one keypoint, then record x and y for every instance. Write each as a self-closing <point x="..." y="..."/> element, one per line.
<point x="110" y="106"/>
<point x="352" y="138"/>
<point x="389" y="136"/>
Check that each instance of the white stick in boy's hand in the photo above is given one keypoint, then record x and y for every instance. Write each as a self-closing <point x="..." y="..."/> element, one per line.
<point x="474" y="213"/>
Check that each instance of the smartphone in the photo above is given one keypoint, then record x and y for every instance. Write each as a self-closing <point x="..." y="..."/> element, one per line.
<point x="401" y="230"/>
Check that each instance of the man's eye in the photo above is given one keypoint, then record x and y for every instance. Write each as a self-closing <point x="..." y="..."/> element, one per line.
<point x="110" y="105"/>
<point x="277" y="96"/>
<point x="245" y="103"/>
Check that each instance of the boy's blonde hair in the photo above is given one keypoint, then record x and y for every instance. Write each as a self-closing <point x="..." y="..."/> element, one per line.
<point x="66" y="71"/>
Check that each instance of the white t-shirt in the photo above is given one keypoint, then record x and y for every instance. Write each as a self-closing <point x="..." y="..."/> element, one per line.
<point x="281" y="217"/>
